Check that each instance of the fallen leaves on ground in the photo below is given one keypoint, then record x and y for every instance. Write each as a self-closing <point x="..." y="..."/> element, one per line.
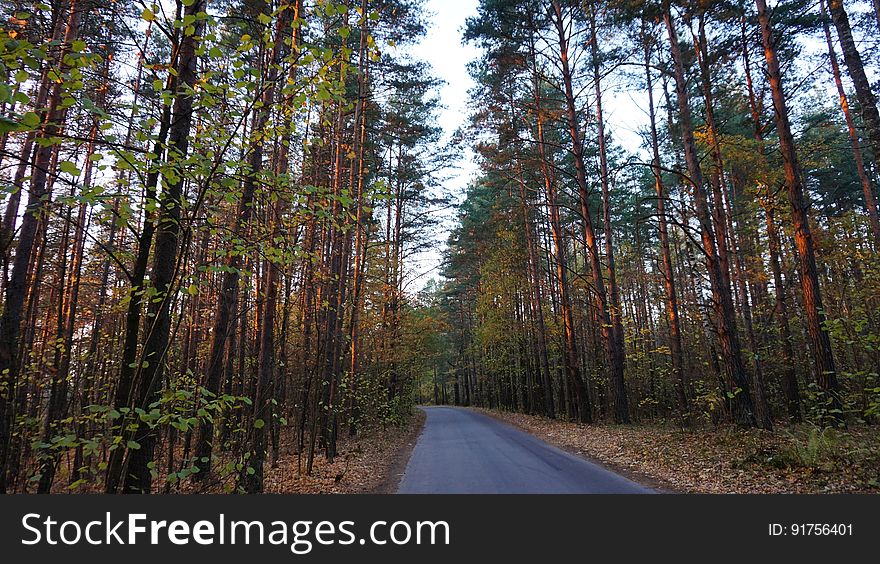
<point x="368" y="463"/>
<point x="363" y="465"/>
<point x="796" y="459"/>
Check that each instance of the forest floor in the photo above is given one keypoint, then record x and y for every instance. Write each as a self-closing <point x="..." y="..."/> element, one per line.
<point x="797" y="459"/>
<point x="372" y="462"/>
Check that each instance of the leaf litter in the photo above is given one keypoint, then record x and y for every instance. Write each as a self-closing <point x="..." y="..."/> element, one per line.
<point x="794" y="459"/>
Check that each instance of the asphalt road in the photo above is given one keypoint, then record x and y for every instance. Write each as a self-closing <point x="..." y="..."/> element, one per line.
<point x="461" y="451"/>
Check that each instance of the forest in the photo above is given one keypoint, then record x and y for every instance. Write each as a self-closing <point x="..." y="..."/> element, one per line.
<point x="727" y="272"/>
<point x="211" y="210"/>
<point x="207" y="209"/>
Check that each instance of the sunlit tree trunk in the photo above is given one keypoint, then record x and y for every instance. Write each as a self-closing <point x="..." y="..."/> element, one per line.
<point x="725" y="322"/>
<point x="823" y="357"/>
<point x="38" y="200"/>
<point x="616" y="384"/>
<point x="723" y="227"/>
<point x="356" y="181"/>
<point x="867" y="189"/>
<point x="675" y="343"/>
<point x="789" y="373"/>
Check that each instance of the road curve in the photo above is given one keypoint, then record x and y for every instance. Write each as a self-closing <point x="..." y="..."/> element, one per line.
<point x="462" y="451"/>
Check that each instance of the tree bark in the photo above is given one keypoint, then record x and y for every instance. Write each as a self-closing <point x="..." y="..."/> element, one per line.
<point x="789" y="373"/>
<point x="616" y="382"/>
<point x="580" y="391"/>
<point x="867" y="189"/>
<point x="823" y="357"/>
<point x="725" y="323"/>
<point x="865" y="95"/>
<point x="724" y="230"/>
<point x="675" y="344"/>
<point x="138" y="478"/>
<point x="16" y="289"/>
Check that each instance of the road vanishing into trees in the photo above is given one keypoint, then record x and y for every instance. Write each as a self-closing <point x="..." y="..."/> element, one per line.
<point x="461" y="451"/>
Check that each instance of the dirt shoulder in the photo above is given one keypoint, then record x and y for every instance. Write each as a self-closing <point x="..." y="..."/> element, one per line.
<point x="370" y="463"/>
<point x="395" y="463"/>
<point x="799" y="459"/>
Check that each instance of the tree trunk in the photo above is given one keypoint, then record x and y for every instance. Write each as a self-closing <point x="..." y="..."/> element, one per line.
<point x="724" y="230"/>
<point x="616" y="383"/>
<point x="789" y="373"/>
<point x="675" y="344"/>
<point x="231" y="274"/>
<point x="580" y="391"/>
<point x="852" y="58"/>
<point x="16" y="289"/>
<point x="362" y="236"/>
<point x="867" y="189"/>
<point x="725" y="323"/>
<point x="138" y="478"/>
<point x="823" y="357"/>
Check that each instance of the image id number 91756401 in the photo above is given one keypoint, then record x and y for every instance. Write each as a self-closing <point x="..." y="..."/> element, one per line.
<point x="810" y="529"/>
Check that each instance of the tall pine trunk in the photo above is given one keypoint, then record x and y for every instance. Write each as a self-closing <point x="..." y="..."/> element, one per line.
<point x="675" y="342"/>
<point x="864" y="179"/>
<point x="35" y="214"/>
<point x="823" y="357"/>
<point x="137" y="477"/>
<point x="736" y="378"/>
<point x="617" y="354"/>
<point x="865" y="95"/>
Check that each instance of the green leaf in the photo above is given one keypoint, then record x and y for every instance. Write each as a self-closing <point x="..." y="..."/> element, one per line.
<point x="259" y="423"/>
<point x="148" y="15"/>
<point x="69" y="168"/>
<point x="30" y="120"/>
<point x="133" y="445"/>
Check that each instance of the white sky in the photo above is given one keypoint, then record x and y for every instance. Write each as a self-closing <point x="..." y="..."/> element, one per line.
<point x="442" y="48"/>
<point x="624" y="105"/>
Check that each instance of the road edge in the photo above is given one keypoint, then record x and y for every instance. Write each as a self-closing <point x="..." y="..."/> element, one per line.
<point x="391" y="481"/>
<point x="658" y="485"/>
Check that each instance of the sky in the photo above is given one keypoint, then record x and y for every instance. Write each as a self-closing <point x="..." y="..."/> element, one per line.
<point x="624" y="109"/>
<point x="442" y="48"/>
